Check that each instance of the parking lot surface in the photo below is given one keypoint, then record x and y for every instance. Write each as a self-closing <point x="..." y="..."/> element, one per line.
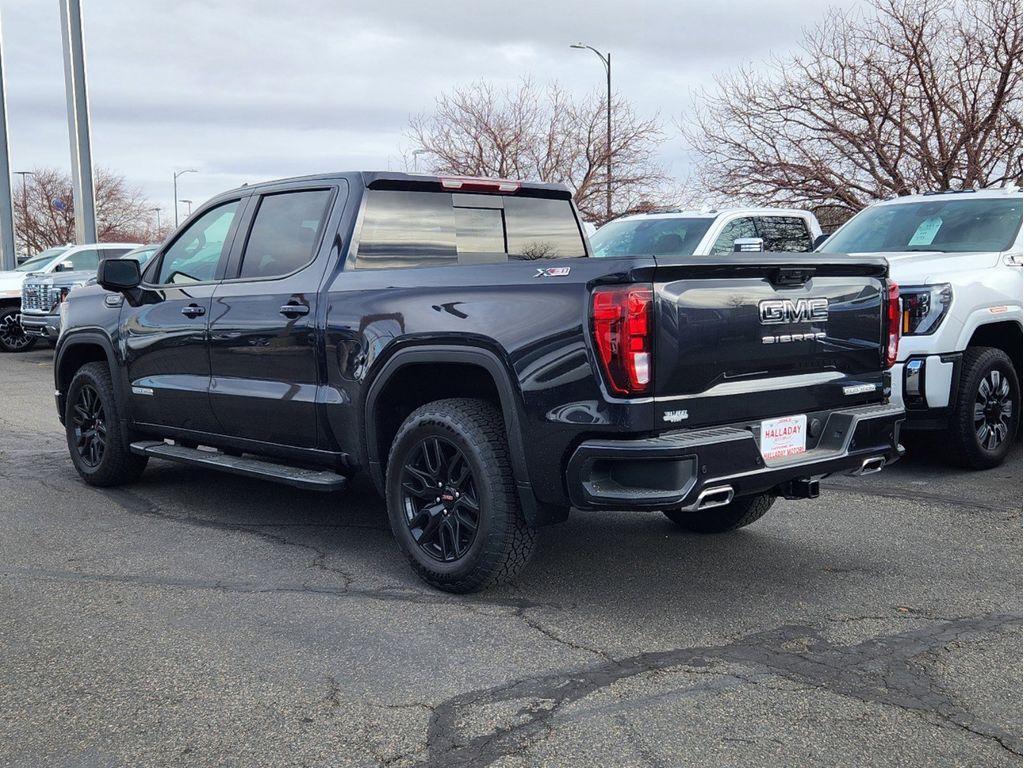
<point x="203" y="619"/>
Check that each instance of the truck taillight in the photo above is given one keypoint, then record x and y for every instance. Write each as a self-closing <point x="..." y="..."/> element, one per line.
<point x="893" y="324"/>
<point x="623" y="334"/>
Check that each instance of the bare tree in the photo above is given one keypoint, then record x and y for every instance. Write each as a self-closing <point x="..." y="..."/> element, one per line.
<point x="914" y="95"/>
<point x="528" y="132"/>
<point x="44" y="215"/>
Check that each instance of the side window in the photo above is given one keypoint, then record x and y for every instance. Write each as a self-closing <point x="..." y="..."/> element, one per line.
<point x="194" y="256"/>
<point x="284" y="233"/>
<point x="88" y="258"/>
<point x="539" y="228"/>
<point x="733" y="231"/>
<point x="406" y="229"/>
<point x="784" y="233"/>
<point x="113" y="253"/>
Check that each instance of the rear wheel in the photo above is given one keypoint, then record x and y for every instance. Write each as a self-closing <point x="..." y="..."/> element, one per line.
<point x="12" y="336"/>
<point x="93" y="430"/>
<point x="451" y="497"/>
<point x="738" y="513"/>
<point x="986" y="417"/>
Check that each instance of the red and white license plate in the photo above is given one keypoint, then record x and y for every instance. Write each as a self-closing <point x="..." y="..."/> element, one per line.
<point x="783" y="437"/>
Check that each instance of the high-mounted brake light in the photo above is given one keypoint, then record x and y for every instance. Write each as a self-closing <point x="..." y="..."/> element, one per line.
<point x="474" y="184"/>
<point x="893" y="324"/>
<point x="623" y="334"/>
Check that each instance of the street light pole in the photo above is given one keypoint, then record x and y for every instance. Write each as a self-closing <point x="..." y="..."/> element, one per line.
<point x="189" y="204"/>
<point x="8" y="259"/>
<point x="78" y="121"/>
<point x="606" y="59"/>
<point x="176" y="175"/>
<point x="416" y="159"/>
<point x="157" y="209"/>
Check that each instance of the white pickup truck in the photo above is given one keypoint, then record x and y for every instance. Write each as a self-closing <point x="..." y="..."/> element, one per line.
<point x="957" y="259"/>
<point x="705" y="233"/>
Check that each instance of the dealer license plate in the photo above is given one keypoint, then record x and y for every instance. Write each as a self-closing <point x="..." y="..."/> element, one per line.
<point x="783" y="437"/>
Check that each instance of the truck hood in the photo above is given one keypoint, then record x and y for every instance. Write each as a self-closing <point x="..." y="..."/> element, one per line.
<point x="63" y="278"/>
<point x="10" y="282"/>
<point x="924" y="267"/>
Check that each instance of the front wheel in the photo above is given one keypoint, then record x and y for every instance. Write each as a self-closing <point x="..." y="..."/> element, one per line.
<point x="986" y="417"/>
<point x="738" y="513"/>
<point x="451" y="497"/>
<point x="12" y="336"/>
<point x="93" y="430"/>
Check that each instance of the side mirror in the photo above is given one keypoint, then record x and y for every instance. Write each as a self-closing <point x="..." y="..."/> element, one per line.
<point x="745" y="244"/>
<point x="818" y="241"/>
<point x="119" y="275"/>
<point x="65" y="266"/>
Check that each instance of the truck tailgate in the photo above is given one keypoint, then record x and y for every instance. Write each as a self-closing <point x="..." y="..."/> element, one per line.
<point x="760" y="335"/>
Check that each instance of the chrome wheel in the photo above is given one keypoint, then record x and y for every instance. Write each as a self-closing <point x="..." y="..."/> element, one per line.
<point x="12" y="336"/>
<point x="993" y="410"/>
<point x="90" y="431"/>
<point x="439" y="499"/>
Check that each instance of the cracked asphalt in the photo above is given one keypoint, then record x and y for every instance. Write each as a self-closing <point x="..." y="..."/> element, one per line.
<point x="201" y="619"/>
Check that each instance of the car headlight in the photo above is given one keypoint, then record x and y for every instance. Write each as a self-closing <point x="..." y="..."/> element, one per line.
<point x="924" y="307"/>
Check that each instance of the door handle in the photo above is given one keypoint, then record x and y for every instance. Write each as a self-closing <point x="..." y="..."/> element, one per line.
<point x="294" y="310"/>
<point x="193" y="310"/>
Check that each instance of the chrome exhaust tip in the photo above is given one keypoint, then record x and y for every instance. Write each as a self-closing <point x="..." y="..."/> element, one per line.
<point x="718" y="496"/>
<point x="869" y="466"/>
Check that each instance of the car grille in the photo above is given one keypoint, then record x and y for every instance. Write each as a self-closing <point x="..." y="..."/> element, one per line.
<point x="38" y="297"/>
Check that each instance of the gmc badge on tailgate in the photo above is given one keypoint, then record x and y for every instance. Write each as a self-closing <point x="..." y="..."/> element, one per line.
<point x="779" y="311"/>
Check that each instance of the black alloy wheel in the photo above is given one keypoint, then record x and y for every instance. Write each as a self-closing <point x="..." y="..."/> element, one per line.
<point x="12" y="336"/>
<point x="993" y="410"/>
<point x="439" y="499"/>
<point x="90" y="428"/>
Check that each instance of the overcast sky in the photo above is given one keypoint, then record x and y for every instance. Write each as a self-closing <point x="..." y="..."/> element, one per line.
<point x="249" y="90"/>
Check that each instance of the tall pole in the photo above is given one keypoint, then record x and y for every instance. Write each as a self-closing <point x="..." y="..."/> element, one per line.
<point x="606" y="59"/>
<point x="24" y="206"/>
<point x="78" y="120"/>
<point x="608" y="189"/>
<point x="7" y="257"/>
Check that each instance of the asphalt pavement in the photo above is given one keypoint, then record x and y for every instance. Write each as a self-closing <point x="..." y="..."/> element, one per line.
<point x="200" y="619"/>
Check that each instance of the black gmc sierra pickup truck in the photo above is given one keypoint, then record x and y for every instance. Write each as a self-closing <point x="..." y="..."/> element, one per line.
<point x="451" y="337"/>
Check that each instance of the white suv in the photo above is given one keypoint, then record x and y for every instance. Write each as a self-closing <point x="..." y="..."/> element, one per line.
<point x="704" y="233"/>
<point x="957" y="258"/>
<point x="68" y="258"/>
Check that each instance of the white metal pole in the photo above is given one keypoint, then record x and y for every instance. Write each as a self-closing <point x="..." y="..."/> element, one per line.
<point x="7" y="257"/>
<point x="78" y="120"/>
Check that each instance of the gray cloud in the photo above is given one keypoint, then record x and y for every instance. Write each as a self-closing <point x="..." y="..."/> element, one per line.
<point x="256" y="89"/>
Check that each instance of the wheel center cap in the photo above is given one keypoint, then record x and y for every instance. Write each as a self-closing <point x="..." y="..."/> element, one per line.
<point x="448" y="496"/>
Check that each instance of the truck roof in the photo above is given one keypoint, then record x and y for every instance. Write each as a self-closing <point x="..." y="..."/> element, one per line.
<point x="394" y="179"/>
<point x="714" y="213"/>
<point x="963" y="194"/>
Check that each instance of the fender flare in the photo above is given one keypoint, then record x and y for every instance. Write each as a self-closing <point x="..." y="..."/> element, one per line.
<point x="95" y="339"/>
<point x="451" y="353"/>
<point x="982" y="317"/>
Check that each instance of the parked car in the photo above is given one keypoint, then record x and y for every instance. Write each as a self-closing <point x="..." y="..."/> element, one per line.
<point x="703" y="233"/>
<point x="957" y="258"/>
<point x="59" y="259"/>
<point x="43" y="295"/>
<point x="451" y="337"/>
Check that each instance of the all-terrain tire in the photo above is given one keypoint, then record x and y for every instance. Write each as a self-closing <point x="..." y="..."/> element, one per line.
<point x="738" y="513"/>
<point x="12" y="336"/>
<point x="967" y="447"/>
<point x="115" y="464"/>
<point x="502" y="542"/>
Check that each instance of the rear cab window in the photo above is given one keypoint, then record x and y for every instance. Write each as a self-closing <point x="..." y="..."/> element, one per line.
<point x="403" y="229"/>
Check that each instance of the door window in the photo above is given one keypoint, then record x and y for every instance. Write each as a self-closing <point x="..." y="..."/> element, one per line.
<point x="733" y="231"/>
<point x="194" y="256"/>
<point x="784" y="233"/>
<point x="285" y="233"/>
<point x="83" y="260"/>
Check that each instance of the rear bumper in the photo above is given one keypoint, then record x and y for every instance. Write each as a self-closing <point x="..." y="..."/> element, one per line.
<point x="685" y="468"/>
<point x="40" y="326"/>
